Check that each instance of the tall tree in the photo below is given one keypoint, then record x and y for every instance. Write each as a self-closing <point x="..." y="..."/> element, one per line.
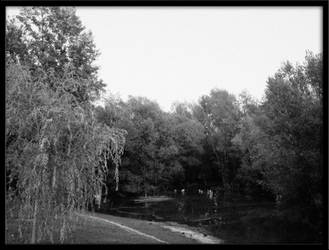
<point x="248" y="137"/>
<point x="219" y="113"/>
<point x="188" y="134"/>
<point x="281" y="138"/>
<point x="56" y="152"/>
<point x="52" y="42"/>
<point x="293" y="106"/>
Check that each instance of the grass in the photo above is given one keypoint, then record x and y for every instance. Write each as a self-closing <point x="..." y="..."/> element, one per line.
<point x="90" y="231"/>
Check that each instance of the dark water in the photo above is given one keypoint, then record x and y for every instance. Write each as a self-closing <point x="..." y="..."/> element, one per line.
<point x="234" y="219"/>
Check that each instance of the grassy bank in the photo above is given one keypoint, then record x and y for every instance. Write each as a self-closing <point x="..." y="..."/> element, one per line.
<point x="95" y="228"/>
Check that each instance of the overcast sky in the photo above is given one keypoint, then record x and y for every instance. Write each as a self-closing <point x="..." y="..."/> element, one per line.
<point x="180" y="53"/>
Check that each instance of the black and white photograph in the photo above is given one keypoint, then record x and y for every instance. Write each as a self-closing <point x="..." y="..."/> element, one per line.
<point x="164" y="125"/>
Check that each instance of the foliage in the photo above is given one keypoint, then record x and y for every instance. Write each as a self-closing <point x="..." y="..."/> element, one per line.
<point x="188" y="134"/>
<point x="53" y="40"/>
<point x="56" y="152"/>
<point x="249" y="137"/>
<point x="160" y="146"/>
<point x="270" y="148"/>
<point x="281" y="138"/>
<point x="219" y="113"/>
<point x="293" y="106"/>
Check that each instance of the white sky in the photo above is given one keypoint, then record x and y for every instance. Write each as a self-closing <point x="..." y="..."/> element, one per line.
<point x="172" y="54"/>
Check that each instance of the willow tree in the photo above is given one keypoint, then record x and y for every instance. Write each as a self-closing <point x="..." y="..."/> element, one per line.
<point x="56" y="152"/>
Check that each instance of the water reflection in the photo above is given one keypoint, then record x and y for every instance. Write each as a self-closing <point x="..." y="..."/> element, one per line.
<point x="232" y="218"/>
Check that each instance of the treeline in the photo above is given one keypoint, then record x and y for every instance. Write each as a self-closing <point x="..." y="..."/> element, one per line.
<point x="271" y="148"/>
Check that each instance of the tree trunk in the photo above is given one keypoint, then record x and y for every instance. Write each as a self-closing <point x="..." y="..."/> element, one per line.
<point x="144" y="179"/>
<point x="224" y="174"/>
<point x="54" y="178"/>
<point x="116" y="178"/>
<point x="221" y="163"/>
<point x="34" y="225"/>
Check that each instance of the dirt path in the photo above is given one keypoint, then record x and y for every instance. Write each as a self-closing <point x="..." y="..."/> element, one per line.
<point x="97" y="228"/>
<point x="128" y="229"/>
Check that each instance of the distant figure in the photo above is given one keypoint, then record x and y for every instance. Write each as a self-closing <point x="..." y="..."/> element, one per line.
<point x="200" y="191"/>
<point x="183" y="191"/>
<point x="175" y="191"/>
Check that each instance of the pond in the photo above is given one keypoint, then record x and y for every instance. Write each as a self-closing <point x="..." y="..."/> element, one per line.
<point x="234" y="219"/>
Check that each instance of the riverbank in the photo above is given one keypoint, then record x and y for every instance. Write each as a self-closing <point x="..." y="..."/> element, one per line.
<point x="108" y="229"/>
<point x="97" y="228"/>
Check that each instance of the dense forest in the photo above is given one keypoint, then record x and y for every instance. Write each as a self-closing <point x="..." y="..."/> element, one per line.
<point x="62" y="149"/>
<point x="233" y="144"/>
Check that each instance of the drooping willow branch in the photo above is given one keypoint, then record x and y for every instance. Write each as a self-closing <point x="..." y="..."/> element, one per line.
<point x="54" y="149"/>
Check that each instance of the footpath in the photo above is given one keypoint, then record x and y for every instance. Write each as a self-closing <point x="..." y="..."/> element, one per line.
<point x="97" y="228"/>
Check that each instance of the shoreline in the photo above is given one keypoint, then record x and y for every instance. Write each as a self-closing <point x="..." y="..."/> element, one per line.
<point x="136" y="231"/>
<point x="158" y="198"/>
